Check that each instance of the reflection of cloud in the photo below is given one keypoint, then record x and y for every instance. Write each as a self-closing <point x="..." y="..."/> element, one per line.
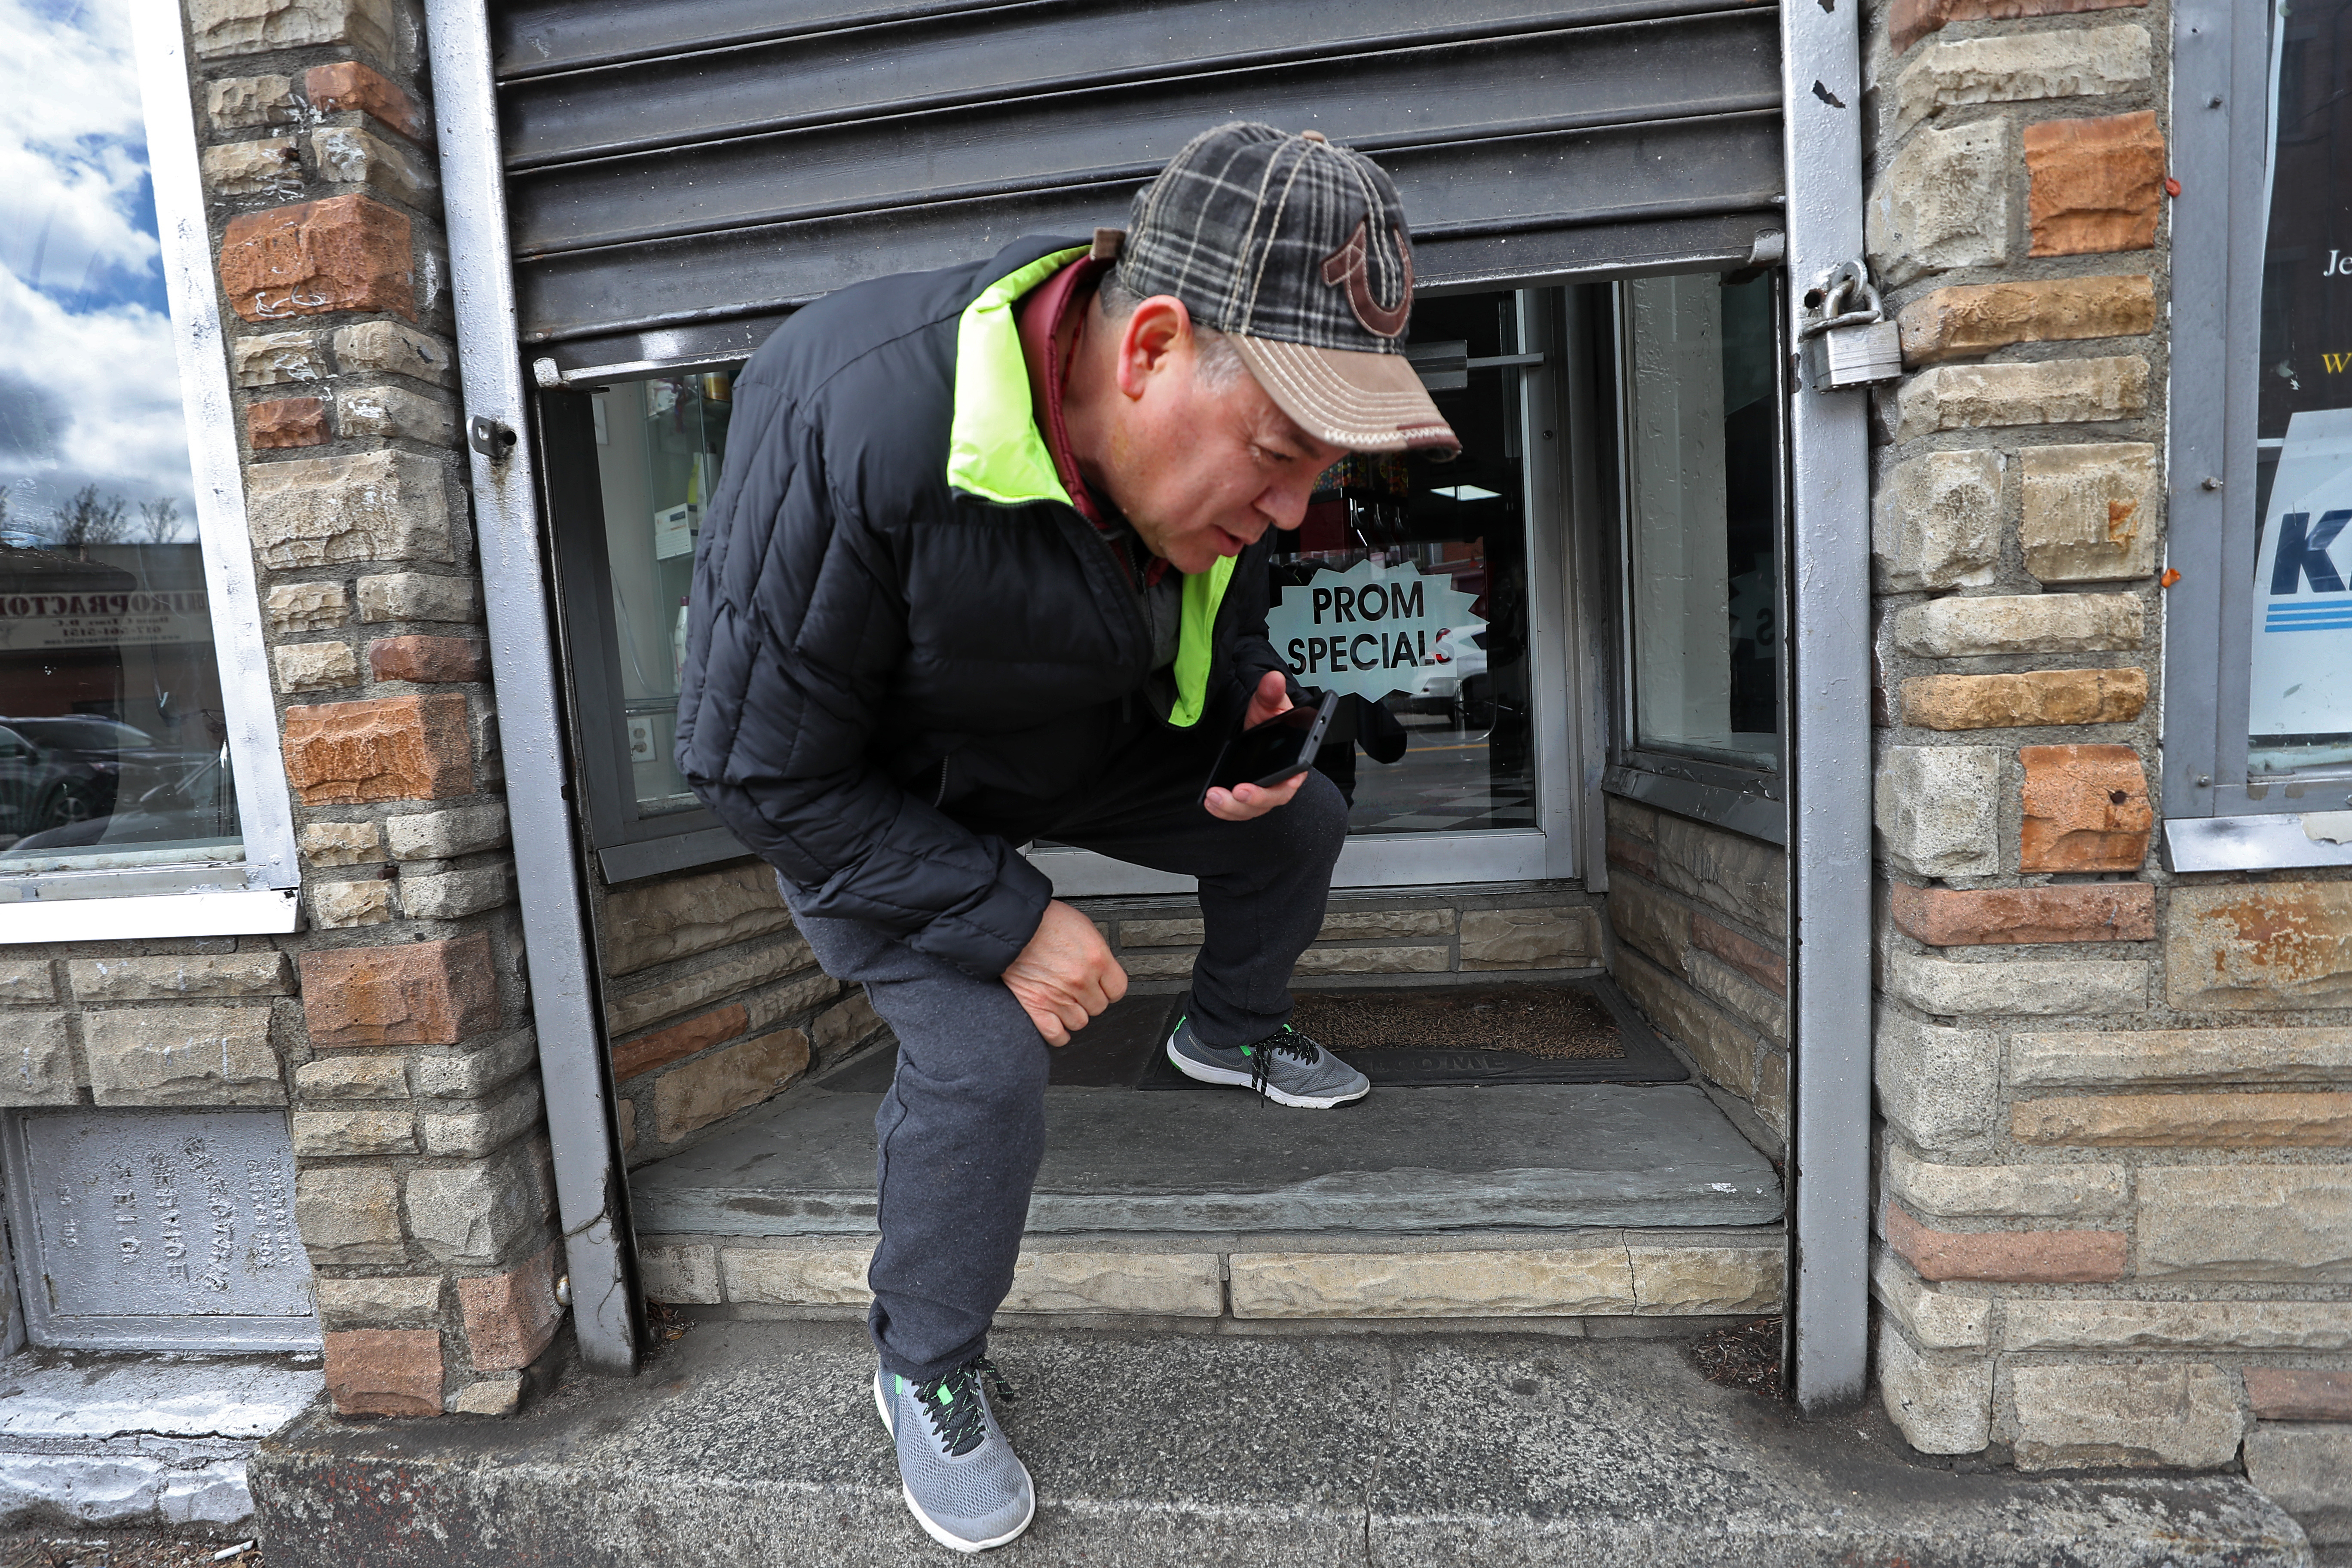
<point x="90" y="388"/>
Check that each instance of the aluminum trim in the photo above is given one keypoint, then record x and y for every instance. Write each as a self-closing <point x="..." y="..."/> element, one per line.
<point x="1401" y="860"/>
<point x="592" y="1188"/>
<point x="2270" y="842"/>
<point x="245" y="911"/>
<point x="1736" y="811"/>
<point x="677" y="852"/>
<point x="264" y="808"/>
<point x="1829" y="738"/>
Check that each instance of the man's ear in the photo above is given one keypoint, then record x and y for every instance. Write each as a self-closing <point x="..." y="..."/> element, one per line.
<point x="1156" y="335"/>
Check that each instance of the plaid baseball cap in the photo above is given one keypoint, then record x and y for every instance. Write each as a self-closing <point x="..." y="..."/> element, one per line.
<point x="1295" y="247"/>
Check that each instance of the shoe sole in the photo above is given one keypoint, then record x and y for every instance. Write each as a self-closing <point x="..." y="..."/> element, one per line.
<point x="1202" y="1072"/>
<point x="930" y="1527"/>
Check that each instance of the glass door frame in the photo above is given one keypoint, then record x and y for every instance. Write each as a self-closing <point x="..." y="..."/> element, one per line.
<point x="1562" y="680"/>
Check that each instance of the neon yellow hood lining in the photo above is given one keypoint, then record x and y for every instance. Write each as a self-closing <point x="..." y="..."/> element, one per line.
<point x="995" y="451"/>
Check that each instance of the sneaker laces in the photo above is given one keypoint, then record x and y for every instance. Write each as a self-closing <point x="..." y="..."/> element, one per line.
<point x="1285" y="1041"/>
<point x="953" y="1404"/>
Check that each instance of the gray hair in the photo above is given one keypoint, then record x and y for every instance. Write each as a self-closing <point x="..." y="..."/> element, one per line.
<point x="1216" y="363"/>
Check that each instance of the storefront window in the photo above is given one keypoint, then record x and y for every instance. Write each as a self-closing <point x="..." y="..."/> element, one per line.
<point x="1700" y="440"/>
<point x="659" y="448"/>
<point x="114" y="737"/>
<point x="2300" y="696"/>
<point x="1406" y="588"/>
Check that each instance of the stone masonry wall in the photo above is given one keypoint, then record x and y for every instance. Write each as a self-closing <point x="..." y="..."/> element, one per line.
<point x="395" y="1026"/>
<point x="2116" y="1203"/>
<point x="1701" y="919"/>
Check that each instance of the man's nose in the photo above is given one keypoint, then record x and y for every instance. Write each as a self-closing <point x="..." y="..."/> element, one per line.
<point x="1285" y="509"/>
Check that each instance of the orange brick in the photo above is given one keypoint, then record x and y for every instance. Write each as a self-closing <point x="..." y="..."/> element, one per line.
<point x="1948" y="917"/>
<point x="385" y="1372"/>
<point x="1639" y="858"/>
<point x="2015" y="1257"/>
<point x="2097" y="184"/>
<point x="511" y="1317"/>
<point x="2299" y="1393"/>
<point x="2087" y="809"/>
<point x="1759" y="963"/>
<point x="1973" y="319"/>
<point x="2021" y="698"/>
<point x="287" y="422"/>
<point x="1908" y="21"/>
<point x="647" y="1052"/>
<point x="312" y="258"/>
<point x="414" y="994"/>
<point x="351" y="86"/>
<point x="427" y="658"/>
<point x="379" y="748"/>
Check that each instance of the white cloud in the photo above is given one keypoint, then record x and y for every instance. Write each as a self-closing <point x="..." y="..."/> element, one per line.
<point x="89" y="386"/>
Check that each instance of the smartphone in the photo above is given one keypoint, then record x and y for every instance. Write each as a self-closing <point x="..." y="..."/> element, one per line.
<point x="1275" y="751"/>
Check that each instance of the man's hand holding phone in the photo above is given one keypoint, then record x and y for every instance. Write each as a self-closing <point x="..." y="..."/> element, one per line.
<point x="1243" y="801"/>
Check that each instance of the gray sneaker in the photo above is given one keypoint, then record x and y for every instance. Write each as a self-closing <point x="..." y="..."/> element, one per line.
<point x="963" y="1483"/>
<point x="1285" y="1067"/>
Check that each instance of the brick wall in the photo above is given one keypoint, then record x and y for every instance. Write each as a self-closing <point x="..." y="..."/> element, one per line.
<point x="1701" y="919"/>
<point x="2116" y="1216"/>
<point x="394" y="1028"/>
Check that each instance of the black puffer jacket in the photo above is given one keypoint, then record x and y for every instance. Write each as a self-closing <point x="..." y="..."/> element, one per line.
<point x="895" y="674"/>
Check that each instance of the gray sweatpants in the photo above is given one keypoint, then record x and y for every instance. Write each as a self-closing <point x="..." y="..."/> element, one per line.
<point x="960" y="1135"/>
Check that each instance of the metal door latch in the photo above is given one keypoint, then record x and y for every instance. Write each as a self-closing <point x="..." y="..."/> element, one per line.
<point x="1848" y="341"/>
<point x="490" y="438"/>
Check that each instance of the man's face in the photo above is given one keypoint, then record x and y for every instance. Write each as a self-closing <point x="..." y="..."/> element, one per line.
<point x="1201" y="472"/>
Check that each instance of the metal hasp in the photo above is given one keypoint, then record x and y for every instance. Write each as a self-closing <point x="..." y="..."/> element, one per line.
<point x="1829" y="734"/>
<point x="590" y="1185"/>
<point x="1848" y="341"/>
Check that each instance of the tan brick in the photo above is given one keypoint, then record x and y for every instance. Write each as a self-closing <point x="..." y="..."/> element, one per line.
<point x="1671" y="1280"/>
<point x="1973" y="319"/>
<point x="1934" y="523"/>
<point x="2099" y="911"/>
<point x="2075" y="62"/>
<point x="1552" y="1282"/>
<point x="1948" y="988"/>
<point x="385" y="1372"/>
<point x="844" y="1025"/>
<point x="2014" y="1257"/>
<point x="682" y="1274"/>
<point x="314" y="666"/>
<point x="1726" y="1051"/>
<point x="1161" y="934"/>
<point x="2301" y="1394"/>
<point x="470" y="1129"/>
<point x="250" y="102"/>
<point x="511" y="1317"/>
<point x="347" y="87"/>
<point x="726" y="1082"/>
<point x="36" y="1065"/>
<point x="2126" y="1058"/>
<point x="427" y="658"/>
<point x="1651" y="922"/>
<point x="1936" y="1319"/>
<point x="340" y="906"/>
<point x="345" y="252"/>
<point x="1530" y="939"/>
<point x="276" y="358"/>
<point x="395" y="413"/>
<point x="2025" y="697"/>
<point x="180" y="976"/>
<point x="1641" y="858"/>
<point x="1351" y="925"/>
<point x="2187" y="1121"/>
<point x="2020" y="623"/>
<point x="663" y="1046"/>
<point x="2273" y="945"/>
<point x="1908" y="21"/>
<point x="2091" y="512"/>
<point x="652" y="922"/>
<point x="1759" y="963"/>
<point x="342" y="843"/>
<point x="1728" y="872"/>
<point x="390" y="348"/>
<point x="369" y="506"/>
<point x="306" y="607"/>
<point x="500" y="1395"/>
<point x="414" y="994"/>
<point x="1765" y="1011"/>
<point x="353" y="1078"/>
<point x="26" y="981"/>
<point x="2067" y="1191"/>
<point x="349" y="1216"/>
<point x="1370" y="960"/>
<point x="364" y="1131"/>
<point x="1176" y="1285"/>
<point x="350" y="155"/>
<point x="1939" y="1086"/>
<point x="2162" y="1414"/>
<point x="269" y="167"/>
<point x="378" y="1301"/>
<point x="1942" y="1405"/>
<point x="2040" y="391"/>
<point x="2057" y="1324"/>
<point x="789" y="1277"/>
<point x="2284" y="1222"/>
<point x="2096" y="185"/>
<point x="2306" y="1469"/>
<point x="2087" y="809"/>
<point x="380" y="748"/>
<point x="757" y="964"/>
<point x="182" y="1056"/>
<point x="1938" y="809"/>
<point x="1168" y="963"/>
<point x="225" y="27"/>
<point x="1942" y="202"/>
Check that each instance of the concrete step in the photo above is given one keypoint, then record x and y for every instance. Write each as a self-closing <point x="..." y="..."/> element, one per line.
<point x="757" y="1442"/>
<point x="1533" y="1156"/>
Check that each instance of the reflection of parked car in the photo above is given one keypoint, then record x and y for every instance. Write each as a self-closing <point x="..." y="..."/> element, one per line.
<point x="1456" y="659"/>
<point x="59" y="771"/>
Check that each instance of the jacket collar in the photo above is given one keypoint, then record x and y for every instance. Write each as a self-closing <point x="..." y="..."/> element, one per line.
<point x="994" y="450"/>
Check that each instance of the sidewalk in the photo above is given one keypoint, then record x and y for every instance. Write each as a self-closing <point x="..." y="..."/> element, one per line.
<point x="752" y="1443"/>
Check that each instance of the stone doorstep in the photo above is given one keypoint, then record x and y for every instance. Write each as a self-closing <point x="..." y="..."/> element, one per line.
<point x="131" y="1442"/>
<point x="1275" y="1279"/>
<point x="756" y="1442"/>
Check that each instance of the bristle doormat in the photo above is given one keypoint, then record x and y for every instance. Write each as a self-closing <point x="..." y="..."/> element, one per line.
<point x="1576" y="1031"/>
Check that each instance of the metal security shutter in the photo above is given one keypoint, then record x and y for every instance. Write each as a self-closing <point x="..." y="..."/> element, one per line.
<point x="681" y="173"/>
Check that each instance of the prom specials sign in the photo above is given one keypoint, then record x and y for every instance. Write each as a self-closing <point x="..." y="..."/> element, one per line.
<point x="1367" y="629"/>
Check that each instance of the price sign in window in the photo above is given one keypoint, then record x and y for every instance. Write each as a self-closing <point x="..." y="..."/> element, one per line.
<point x="2299" y="709"/>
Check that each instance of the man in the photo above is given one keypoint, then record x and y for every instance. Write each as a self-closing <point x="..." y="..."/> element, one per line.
<point x="988" y="563"/>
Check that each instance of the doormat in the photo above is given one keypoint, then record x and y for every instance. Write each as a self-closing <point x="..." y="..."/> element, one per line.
<point x="1574" y="1031"/>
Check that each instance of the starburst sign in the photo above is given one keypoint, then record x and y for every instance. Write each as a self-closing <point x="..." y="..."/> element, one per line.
<point x="1367" y="628"/>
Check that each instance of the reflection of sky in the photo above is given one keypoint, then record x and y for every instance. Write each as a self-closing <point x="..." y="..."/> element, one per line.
<point x="88" y="385"/>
